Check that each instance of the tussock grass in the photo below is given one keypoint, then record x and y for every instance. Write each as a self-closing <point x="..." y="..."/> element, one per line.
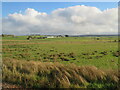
<point x="55" y="75"/>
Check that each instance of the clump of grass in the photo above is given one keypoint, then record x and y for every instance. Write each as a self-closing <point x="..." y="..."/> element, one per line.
<point x="55" y="75"/>
<point x="116" y="54"/>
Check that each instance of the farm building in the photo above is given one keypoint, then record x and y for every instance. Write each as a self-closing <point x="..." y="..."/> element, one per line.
<point x="58" y="36"/>
<point x="51" y="36"/>
<point x="31" y="37"/>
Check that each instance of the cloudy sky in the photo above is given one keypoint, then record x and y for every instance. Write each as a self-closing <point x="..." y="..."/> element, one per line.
<point x="60" y="18"/>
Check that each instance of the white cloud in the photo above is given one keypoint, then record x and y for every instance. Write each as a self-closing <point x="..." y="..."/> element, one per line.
<point x="72" y="20"/>
<point x="33" y="13"/>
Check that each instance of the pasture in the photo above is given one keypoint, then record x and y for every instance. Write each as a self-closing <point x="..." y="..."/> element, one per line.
<point x="102" y="53"/>
<point x="66" y="62"/>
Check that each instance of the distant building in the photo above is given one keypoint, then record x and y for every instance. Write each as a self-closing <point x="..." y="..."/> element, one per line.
<point x="58" y="36"/>
<point x="48" y="36"/>
<point x="51" y="36"/>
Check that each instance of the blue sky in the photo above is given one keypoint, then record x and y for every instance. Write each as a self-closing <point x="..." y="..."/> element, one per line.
<point x="12" y="7"/>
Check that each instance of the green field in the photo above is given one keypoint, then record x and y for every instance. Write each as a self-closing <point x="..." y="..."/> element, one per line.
<point x="82" y="51"/>
<point x="78" y="50"/>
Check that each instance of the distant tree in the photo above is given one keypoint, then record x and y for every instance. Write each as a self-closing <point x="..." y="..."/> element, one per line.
<point x="3" y="35"/>
<point x="66" y="35"/>
<point x="115" y="40"/>
<point x="29" y="37"/>
<point x="98" y="38"/>
<point x="7" y="35"/>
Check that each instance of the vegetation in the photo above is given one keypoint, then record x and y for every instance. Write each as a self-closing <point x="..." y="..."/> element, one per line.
<point x="5" y="35"/>
<point x="69" y="62"/>
<point x="55" y="75"/>
<point x="101" y="53"/>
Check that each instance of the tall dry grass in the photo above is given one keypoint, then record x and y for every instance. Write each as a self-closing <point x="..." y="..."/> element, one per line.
<point x="55" y="75"/>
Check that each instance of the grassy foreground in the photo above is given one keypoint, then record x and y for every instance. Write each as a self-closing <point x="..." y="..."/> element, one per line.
<point x="38" y="74"/>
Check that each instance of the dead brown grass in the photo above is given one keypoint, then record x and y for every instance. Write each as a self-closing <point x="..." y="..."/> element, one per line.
<point x="47" y="74"/>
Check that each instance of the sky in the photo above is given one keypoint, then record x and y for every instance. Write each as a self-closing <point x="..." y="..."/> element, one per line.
<point x="12" y="7"/>
<point x="23" y="18"/>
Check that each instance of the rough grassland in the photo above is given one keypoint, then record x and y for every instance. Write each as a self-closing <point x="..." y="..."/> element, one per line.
<point x="72" y="62"/>
<point x="55" y="75"/>
<point x="78" y="50"/>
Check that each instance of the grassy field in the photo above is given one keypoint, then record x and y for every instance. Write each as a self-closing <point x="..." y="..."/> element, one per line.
<point x="83" y="52"/>
<point x="79" y="50"/>
<point x="37" y="74"/>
